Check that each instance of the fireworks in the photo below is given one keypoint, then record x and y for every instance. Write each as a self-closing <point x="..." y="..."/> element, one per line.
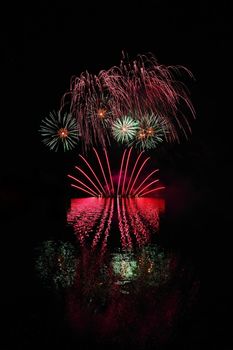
<point x="153" y="130"/>
<point x="98" y="108"/>
<point x="125" y="266"/>
<point x="148" y="265"/>
<point x="56" y="263"/>
<point x="59" y="130"/>
<point x="126" y="186"/>
<point x="142" y="89"/>
<point x="125" y="129"/>
<point x="101" y="113"/>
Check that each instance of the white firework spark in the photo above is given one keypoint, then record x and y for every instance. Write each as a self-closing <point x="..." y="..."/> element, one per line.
<point x="59" y="130"/>
<point x="124" y="129"/>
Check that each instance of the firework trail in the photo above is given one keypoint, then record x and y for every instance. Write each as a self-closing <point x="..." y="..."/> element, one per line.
<point x="144" y="87"/>
<point x="137" y="96"/>
<point x="125" y="187"/>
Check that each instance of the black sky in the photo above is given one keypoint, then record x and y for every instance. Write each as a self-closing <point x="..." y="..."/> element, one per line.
<point x="44" y="45"/>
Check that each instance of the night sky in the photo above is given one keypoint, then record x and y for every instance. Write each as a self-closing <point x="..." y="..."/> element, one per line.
<point x="43" y="47"/>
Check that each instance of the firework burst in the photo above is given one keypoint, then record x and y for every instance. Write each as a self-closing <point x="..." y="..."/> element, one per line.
<point x="144" y="87"/>
<point x="99" y="108"/>
<point x="89" y="103"/>
<point x="59" y="130"/>
<point x="125" y="129"/>
<point x="141" y="88"/>
<point x="152" y="131"/>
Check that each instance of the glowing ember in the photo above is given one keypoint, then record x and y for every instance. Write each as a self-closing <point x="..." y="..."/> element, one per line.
<point x="102" y="113"/>
<point x="141" y="134"/>
<point x="63" y="133"/>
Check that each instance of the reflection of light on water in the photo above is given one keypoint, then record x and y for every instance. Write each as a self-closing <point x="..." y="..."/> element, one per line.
<point x="126" y="230"/>
<point x="144" y="288"/>
<point x="56" y="263"/>
<point x="125" y="266"/>
<point x="137" y="291"/>
<point x="136" y="219"/>
<point x="103" y="220"/>
<point x="108" y="227"/>
<point x="154" y="265"/>
<point x="84" y="215"/>
<point x="140" y="230"/>
<point x="148" y="266"/>
<point x="106" y="292"/>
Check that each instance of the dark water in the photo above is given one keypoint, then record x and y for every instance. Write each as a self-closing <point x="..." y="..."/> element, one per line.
<point x="120" y="274"/>
<point x="117" y="284"/>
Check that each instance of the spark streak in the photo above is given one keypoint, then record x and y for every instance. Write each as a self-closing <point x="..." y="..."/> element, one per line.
<point x="125" y="186"/>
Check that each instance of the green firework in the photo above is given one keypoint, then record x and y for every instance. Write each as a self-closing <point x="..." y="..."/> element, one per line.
<point x="152" y="131"/>
<point x="59" y="130"/>
<point x="124" y="129"/>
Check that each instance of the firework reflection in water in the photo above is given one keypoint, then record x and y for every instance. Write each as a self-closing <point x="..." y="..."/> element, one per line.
<point x="56" y="264"/>
<point x="129" y="296"/>
<point x="135" y="218"/>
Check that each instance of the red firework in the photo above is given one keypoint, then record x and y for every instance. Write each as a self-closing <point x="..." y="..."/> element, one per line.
<point x="138" y="88"/>
<point x="127" y="184"/>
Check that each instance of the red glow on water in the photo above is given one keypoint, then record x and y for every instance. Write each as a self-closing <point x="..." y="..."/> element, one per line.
<point x="136" y="220"/>
<point x="108" y="227"/>
<point x="150" y="203"/>
<point x="85" y="214"/>
<point x="109" y="307"/>
<point x="141" y="231"/>
<point x="103" y="220"/>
